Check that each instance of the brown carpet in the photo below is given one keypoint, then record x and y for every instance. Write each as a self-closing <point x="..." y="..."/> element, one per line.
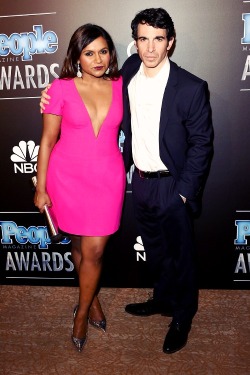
<point x="35" y="328"/>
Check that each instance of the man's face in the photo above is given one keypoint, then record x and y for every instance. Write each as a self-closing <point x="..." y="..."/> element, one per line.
<point x="152" y="46"/>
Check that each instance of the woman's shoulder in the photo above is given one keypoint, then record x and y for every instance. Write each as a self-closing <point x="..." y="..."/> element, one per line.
<point x="60" y="84"/>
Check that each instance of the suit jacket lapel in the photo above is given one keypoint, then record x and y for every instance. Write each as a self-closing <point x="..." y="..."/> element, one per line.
<point x="168" y="98"/>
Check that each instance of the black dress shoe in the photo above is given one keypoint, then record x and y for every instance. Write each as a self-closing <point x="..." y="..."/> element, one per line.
<point x="176" y="337"/>
<point x="147" y="308"/>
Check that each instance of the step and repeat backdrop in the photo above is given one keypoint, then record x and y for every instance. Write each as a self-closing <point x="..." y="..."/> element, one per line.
<point x="213" y="42"/>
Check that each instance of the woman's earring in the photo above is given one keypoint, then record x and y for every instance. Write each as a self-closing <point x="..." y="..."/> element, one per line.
<point x="79" y="73"/>
<point x="107" y="71"/>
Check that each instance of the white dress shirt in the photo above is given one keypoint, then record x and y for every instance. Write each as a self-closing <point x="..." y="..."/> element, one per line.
<point x="145" y="97"/>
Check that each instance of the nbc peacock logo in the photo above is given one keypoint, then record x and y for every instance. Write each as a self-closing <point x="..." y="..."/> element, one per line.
<point x="139" y="248"/>
<point x="24" y="157"/>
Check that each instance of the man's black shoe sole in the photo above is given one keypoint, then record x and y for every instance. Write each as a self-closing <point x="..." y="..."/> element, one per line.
<point x="154" y="313"/>
<point x="175" y="350"/>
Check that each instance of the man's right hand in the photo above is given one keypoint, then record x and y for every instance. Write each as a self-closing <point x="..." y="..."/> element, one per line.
<point x="44" y="98"/>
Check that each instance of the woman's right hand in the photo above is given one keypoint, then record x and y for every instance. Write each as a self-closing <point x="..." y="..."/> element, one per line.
<point x="42" y="199"/>
<point x="44" y="98"/>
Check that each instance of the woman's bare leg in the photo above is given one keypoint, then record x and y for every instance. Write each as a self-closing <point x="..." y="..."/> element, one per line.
<point x="95" y="311"/>
<point x="89" y="272"/>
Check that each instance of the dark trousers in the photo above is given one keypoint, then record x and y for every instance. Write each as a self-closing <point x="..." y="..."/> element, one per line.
<point x="166" y="226"/>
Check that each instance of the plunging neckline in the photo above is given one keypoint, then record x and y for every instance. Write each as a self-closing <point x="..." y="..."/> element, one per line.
<point x="86" y="109"/>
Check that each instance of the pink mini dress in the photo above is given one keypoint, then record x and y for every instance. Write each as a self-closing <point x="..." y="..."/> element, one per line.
<point x="86" y="176"/>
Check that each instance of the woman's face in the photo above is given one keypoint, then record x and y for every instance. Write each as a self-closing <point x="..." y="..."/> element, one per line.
<point x="95" y="58"/>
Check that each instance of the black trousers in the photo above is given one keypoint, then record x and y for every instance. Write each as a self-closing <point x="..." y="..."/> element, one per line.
<point x="165" y="224"/>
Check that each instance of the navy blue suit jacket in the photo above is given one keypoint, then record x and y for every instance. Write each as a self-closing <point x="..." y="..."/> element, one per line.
<point x="185" y="136"/>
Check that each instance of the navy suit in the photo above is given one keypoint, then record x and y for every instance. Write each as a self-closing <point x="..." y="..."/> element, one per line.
<point x="164" y="221"/>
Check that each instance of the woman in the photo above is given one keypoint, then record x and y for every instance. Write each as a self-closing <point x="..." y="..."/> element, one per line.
<point x="81" y="176"/>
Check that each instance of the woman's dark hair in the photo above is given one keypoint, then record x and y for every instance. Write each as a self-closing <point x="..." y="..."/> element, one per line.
<point x="156" y="17"/>
<point x="81" y="38"/>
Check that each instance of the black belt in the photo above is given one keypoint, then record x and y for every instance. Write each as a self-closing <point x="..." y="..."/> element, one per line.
<point x="157" y="174"/>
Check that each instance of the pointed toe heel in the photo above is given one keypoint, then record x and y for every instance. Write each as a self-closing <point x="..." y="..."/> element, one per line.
<point x="79" y="343"/>
<point x="99" y="324"/>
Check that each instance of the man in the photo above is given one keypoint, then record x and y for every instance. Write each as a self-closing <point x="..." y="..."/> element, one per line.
<point x="168" y="136"/>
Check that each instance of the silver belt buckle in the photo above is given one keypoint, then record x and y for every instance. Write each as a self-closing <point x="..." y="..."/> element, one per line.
<point x="140" y="174"/>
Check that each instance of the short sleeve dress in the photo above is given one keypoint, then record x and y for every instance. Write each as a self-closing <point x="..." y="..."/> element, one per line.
<point x="86" y="175"/>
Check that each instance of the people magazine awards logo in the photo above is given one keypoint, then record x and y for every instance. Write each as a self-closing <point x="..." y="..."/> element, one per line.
<point x="242" y="248"/>
<point x="27" y="251"/>
<point x="28" y="44"/>
<point x="132" y="168"/>
<point x="245" y="42"/>
<point x="18" y="69"/>
<point x="24" y="157"/>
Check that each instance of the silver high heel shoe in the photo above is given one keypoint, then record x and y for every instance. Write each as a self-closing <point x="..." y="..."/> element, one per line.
<point x="99" y="324"/>
<point x="79" y="343"/>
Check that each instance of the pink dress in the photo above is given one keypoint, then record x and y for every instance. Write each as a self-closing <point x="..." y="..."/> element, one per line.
<point x="86" y="176"/>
